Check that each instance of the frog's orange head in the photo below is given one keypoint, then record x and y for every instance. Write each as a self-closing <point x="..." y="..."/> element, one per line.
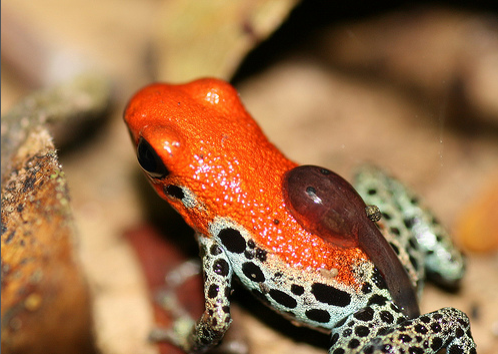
<point x="199" y="146"/>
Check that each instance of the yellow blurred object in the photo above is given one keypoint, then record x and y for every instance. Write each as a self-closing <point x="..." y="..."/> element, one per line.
<point x="477" y="229"/>
<point x="196" y="39"/>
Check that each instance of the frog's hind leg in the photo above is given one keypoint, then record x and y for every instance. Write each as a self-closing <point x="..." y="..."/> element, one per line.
<point x="383" y="329"/>
<point x="375" y="189"/>
<point x="444" y="264"/>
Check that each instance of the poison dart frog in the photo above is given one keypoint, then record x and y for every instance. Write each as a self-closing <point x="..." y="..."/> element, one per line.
<point x="348" y="261"/>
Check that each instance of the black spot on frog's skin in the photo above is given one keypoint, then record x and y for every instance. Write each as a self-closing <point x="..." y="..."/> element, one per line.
<point x="378" y="280"/>
<point x="251" y="244"/>
<point x="414" y="262"/>
<point x="437" y="316"/>
<point x="409" y="222"/>
<point x="261" y="254"/>
<point x="394" y="247"/>
<point x="333" y="339"/>
<point x="174" y="191"/>
<point x="413" y="243"/>
<point x="362" y="331"/>
<point x="283" y="299"/>
<point x="421" y="329"/>
<point x="414" y="200"/>
<point x="417" y="350"/>
<point x="204" y="339"/>
<point x="377" y="300"/>
<point x="330" y="295"/>
<point x="221" y="267"/>
<point x="405" y="338"/>
<point x="347" y="332"/>
<point x="215" y="250"/>
<point x="233" y="240"/>
<point x="365" y="314"/>
<point x="386" y="317"/>
<point x="249" y="254"/>
<point x="213" y="291"/>
<point x="253" y="272"/>
<point x="437" y="343"/>
<point x="297" y="289"/>
<point x="435" y="327"/>
<point x="395" y="231"/>
<point x="366" y="288"/>
<point x="317" y="315"/>
<point x="372" y="191"/>
<point x="386" y="216"/>
<point x="353" y="343"/>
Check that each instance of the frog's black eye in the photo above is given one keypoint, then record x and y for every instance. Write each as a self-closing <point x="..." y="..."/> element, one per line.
<point x="150" y="161"/>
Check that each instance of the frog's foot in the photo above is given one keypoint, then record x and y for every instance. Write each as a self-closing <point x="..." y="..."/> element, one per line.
<point x="167" y="298"/>
<point x="176" y="335"/>
<point x="381" y="330"/>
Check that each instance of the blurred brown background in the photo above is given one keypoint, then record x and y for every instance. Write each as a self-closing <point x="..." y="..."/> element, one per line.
<point x="411" y="88"/>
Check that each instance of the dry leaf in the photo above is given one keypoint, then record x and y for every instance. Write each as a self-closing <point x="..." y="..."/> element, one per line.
<point x="210" y="38"/>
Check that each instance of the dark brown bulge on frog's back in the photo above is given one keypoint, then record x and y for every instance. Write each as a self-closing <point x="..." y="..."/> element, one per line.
<point x="326" y="205"/>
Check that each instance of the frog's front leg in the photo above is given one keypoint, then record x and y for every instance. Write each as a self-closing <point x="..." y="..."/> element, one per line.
<point x="207" y="332"/>
<point x="383" y="329"/>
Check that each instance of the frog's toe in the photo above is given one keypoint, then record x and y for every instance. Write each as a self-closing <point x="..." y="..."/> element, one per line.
<point x="182" y="323"/>
<point x="169" y="302"/>
<point x="183" y="272"/>
<point x="176" y="335"/>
